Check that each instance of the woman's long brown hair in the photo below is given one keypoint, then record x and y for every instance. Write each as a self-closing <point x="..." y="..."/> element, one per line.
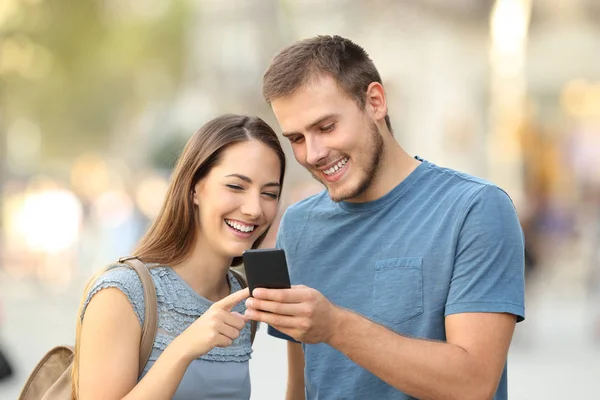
<point x="173" y="234"/>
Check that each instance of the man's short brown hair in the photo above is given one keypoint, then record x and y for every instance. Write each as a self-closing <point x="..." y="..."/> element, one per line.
<point x="343" y="60"/>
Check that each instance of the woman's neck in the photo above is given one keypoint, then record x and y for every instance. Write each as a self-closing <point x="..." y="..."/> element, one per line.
<point x="205" y="272"/>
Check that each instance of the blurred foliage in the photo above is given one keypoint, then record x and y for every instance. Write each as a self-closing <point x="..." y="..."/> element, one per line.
<point x="165" y="156"/>
<point x="85" y="71"/>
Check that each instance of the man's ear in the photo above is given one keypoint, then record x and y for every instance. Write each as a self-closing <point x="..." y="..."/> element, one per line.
<point x="376" y="101"/>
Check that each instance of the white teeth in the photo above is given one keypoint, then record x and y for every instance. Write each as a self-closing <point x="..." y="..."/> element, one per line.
<point x="240" y="227"/>
<point x="336" y="167"/>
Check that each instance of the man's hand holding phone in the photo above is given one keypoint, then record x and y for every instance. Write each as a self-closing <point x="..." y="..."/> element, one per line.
<point x="300" y="312"/>
<point x="297" y="311"/>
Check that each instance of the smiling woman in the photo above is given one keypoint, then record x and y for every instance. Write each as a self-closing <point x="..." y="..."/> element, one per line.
<point x="222" y="199"/>
<point x="231" y="143"/>
<point x="238" y="198"/>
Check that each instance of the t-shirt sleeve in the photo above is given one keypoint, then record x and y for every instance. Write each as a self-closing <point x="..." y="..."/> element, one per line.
<point x="280" y="243"/>
<point x="489" y="264"/>
<point x="127" y="281"/>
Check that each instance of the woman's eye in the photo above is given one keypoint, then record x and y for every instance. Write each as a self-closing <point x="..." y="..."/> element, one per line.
<point x="271" y="195"/>
<point x="235" y="187"/>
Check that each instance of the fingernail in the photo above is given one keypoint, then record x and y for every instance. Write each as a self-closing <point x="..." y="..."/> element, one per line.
<point x="249" y="313"/>
<point x="249" y="303"/>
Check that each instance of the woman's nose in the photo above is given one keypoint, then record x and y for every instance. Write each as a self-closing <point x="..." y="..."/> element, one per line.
<point x="252" y="207"/>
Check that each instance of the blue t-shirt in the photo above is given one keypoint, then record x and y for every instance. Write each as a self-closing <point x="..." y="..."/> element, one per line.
<point x="440" y="243"/>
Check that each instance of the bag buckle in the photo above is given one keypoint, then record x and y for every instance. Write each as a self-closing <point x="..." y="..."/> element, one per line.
<point x="126" y="258"/>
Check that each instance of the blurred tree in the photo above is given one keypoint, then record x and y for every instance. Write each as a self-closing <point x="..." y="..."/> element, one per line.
<point x="83" y="70"/>
<point x="165" y="156"/>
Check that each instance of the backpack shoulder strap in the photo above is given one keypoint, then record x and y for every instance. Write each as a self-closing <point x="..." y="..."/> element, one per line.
<point x="150" y="308"/>
<point x="244" y="285"/>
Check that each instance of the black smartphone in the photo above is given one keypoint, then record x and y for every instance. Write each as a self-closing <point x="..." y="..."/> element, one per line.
<point x="266" y="268"/>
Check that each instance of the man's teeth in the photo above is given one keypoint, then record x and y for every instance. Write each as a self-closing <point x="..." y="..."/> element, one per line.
<point x="240" y="227"/>
<point x="336" y="167"/>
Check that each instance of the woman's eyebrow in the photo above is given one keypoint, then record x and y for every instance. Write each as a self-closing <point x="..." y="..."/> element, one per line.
<point x="247" y="179"/>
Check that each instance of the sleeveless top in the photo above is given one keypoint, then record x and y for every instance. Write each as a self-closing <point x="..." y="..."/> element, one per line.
<point x="222" y="373"/>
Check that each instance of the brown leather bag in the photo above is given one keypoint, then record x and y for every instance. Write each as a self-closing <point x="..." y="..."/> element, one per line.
<point x="51" y="378"/>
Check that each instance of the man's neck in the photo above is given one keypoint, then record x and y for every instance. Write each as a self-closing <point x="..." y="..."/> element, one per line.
<point x="394" y="167"/>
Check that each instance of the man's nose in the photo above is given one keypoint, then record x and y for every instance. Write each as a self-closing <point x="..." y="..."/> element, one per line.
<point x="315" y="151"/>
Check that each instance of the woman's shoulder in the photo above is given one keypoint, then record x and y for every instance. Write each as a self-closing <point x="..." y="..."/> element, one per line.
<point x="126" y="280"/>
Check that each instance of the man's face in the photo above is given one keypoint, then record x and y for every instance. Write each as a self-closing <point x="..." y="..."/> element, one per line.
<point x="336" y="141"/>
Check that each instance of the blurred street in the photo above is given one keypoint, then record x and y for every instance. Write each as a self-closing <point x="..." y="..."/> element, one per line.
<point x="94" y="115"/>
<point x="552" y="356"/>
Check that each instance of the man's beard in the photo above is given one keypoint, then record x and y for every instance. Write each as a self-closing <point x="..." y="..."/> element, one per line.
<point x="370" y="169"/>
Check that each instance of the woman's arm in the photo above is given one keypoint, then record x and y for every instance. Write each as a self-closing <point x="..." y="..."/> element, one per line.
<point x="109" y="354"/>
<point x="110" y="340"/>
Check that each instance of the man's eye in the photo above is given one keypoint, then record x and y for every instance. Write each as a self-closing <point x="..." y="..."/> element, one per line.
<point x="295" y="139"/>
<point x="328" y="128"/>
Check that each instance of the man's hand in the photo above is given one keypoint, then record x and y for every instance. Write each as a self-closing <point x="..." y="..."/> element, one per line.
<point x="300" y="312"/>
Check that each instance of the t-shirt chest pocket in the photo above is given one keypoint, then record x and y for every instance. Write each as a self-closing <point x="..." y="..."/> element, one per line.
<point x="398" y="289"/>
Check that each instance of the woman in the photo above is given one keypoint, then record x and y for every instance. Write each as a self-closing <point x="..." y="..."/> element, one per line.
<point x="223" y="196"/>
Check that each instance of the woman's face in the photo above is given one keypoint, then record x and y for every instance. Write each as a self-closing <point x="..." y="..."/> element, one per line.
<point x="238" y="199"/>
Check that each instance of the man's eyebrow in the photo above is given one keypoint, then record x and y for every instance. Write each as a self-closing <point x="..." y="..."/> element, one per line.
<point x="247" y="179"/>
<point x="312" y="125"/>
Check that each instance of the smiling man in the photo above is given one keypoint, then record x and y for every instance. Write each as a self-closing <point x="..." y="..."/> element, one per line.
<point x="408" y="277"/>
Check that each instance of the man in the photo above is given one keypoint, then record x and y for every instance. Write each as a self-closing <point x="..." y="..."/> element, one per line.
<point x="408" y="277"/>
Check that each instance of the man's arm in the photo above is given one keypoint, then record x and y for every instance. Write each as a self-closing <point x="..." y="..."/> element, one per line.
<point x="467" y="366"/>
<point x="295" y="385"/>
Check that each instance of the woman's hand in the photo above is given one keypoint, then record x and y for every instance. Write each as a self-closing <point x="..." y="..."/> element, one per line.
<point x="217" y="327"/>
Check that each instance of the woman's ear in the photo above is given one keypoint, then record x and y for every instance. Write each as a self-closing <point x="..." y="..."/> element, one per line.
<point x="195" y="193"/>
